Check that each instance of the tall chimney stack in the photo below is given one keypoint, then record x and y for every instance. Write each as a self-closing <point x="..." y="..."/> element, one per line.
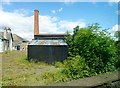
<point x="36" y="22"/>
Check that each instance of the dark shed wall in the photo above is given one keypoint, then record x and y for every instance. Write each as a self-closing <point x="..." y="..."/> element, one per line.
<point x="47" y="53"/>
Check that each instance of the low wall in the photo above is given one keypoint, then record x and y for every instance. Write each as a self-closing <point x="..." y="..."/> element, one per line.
<point x="107" y="80"/>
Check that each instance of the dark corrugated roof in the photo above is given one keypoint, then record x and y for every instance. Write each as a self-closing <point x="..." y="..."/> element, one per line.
<point x="50" y="35"/>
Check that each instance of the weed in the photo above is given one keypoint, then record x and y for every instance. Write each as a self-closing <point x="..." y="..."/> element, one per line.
<point x="54" y="77"/>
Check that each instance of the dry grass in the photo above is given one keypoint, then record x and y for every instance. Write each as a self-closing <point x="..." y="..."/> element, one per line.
<point x="17" y="71"/>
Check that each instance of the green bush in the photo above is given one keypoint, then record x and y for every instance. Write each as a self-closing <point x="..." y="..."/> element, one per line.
<point x="76" y="68"/>
<point x="58" y="64"/>
<point x="96" y="48"/>
<point x="118" y="54"/>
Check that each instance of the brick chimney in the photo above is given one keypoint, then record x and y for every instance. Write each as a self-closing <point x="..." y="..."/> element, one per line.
<point x="36" y="22"/>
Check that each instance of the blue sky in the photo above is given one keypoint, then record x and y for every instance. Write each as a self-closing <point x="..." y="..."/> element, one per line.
<point x="102" y="12"/>
<point x="84" y="13"/>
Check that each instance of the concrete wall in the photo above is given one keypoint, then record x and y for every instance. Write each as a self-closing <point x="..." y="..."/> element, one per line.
<point x="7" y="40"/>
<point x="1" y="46"/>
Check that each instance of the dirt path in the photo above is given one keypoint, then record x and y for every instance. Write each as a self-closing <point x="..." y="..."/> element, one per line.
<point x="18" y="71"/>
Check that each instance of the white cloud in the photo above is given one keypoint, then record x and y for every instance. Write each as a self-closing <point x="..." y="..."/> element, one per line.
<point x="60" y="9"/>
<point x="113" y="0"/>
<point x="70" y="25"/>
<point x="23" y="25"/>
<point x="113" y="30"/>
<point x="48" y="24"/>
<point x="8" y="2"/>
<point x="19" y="24"/>
<point x="53" y="11"/>
<point x="116" y="27"/>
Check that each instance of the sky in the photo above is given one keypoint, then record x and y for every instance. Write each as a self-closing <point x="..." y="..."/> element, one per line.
<point x="57" y="17"/>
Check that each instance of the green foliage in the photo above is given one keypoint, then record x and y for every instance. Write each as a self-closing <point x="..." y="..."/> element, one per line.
<point x="97" y="51"/>
<point x="76" y="68"/>
<point x="117" y="35"/>
<point x="9" y="52"/>
<point x="58" y="64"/>
<point x="54" y="77"/>
<point x="118" y="54"/>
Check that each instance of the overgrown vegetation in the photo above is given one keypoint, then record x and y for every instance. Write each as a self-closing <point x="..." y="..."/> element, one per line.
<point x="76" y="68"/>
<point x="54" y="77"/>
<point x="92" y="50"/>
<point x="118" y="53"/>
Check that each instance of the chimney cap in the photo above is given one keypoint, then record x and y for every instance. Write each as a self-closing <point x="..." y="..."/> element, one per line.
<point x="7" y="28"/>
<point x="36" y="10"/>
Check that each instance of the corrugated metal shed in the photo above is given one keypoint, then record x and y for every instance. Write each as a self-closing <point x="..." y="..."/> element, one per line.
<point x="48" y="48"/>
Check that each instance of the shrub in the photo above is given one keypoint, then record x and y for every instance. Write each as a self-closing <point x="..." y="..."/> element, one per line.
<point x="95" y="46"/>
<point x="118" y="54"/>
<point x="58" y="64"/>
<point x="76" y="68"/>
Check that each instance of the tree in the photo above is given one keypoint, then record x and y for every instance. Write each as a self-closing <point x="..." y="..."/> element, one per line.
<point x="95" y="46"/>
<point x="117" y="35"/>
